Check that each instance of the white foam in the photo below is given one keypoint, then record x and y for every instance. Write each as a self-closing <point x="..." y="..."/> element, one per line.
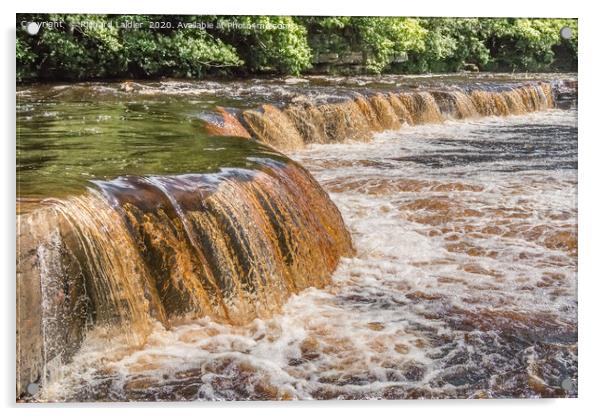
<point x="392" y="319"/>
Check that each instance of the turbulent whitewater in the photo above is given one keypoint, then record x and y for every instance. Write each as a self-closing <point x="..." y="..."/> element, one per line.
<point x="240" y="281"/>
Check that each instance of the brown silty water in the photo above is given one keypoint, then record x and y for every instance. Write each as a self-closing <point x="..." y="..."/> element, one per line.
<point x="359" y="118"/>
<point x="204" y="265"/>
<point x="232" y="245"/>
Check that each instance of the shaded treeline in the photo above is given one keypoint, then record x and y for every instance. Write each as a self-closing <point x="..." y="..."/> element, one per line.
<point x="78" y="47"/>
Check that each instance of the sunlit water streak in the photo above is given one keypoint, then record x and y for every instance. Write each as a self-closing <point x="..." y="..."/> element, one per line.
<point x="464" y="283"/>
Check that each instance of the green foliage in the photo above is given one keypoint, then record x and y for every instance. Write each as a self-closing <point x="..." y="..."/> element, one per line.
<point x="447" y="44"/>
<point x="450" y="45"/>
<point x="268" y="43"/>
<point x="380" y="39"/>
<point x="529" y="44"/>
<point x="173" y="46"/>
<point x="182" y="52"/>
<point x="106" y="48"/>
<point x="25" y="60"/>
<point x="386" y="37"/>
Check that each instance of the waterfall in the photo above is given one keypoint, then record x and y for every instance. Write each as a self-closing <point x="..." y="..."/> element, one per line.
<point x="233" y="245"/>
<point x="357" y="118"/>
<point x="134" y="251"/>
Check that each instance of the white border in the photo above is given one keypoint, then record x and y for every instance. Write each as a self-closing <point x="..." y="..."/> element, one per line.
<point x="590" y="206"/>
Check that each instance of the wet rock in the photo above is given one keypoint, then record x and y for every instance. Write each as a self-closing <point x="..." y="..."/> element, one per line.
<point x="129" y="86"/>
<point x="468" y="67"/>
<point x="52" y="306"/>
<point x="295" y="80"/>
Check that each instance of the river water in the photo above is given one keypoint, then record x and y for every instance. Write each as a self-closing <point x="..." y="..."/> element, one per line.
<point x="463" y="285"/>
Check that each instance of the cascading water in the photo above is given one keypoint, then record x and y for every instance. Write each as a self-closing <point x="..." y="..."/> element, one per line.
<point x="357" y="118"/>
<point x="213" y="267"/>
<point x="231" y="245"/>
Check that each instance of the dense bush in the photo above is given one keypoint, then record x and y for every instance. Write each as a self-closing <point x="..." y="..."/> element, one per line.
<point x="102" y="51"/>
<point x="241" y="45"/>
<point x="532" y="44"/>
<point x="450" y="44"/>
<point x="380" y="39"/>
<point x="273" y="44"/>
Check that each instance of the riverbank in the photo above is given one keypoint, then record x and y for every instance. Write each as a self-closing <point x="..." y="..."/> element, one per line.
<point x="88" y="47"/>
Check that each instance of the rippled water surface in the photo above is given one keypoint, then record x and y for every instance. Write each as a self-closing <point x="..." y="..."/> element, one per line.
<point x="464" y="283"/>
<point x="69" y="134"/>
